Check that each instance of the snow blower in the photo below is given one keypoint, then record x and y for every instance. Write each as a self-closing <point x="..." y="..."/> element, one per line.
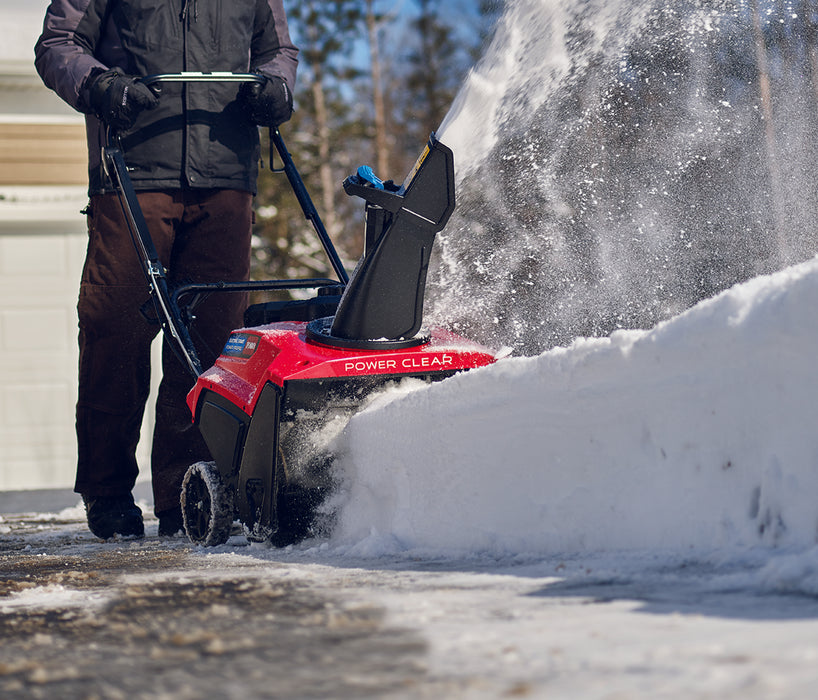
<point x="288" y="381"/>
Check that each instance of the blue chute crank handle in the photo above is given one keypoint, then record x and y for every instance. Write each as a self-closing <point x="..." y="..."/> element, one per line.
<point x="366" y="173"/>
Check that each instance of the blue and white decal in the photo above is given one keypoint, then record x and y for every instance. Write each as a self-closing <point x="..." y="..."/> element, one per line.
<point x="241" y="345"/>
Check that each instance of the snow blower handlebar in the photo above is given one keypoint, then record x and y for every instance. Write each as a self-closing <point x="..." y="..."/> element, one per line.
<point x="174" y="317"/>
<point x="168" y="313"/>
<point x="303" y="197"/>
<point x="288" y="167"/>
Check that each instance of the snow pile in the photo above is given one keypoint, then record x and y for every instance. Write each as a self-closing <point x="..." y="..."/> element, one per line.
<point x="697" y="434"/>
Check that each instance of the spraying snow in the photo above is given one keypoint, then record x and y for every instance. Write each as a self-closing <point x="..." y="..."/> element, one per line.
<point x="617" y="164"/>
<point x="695" y="434"/>
<point x="531" y="54"/>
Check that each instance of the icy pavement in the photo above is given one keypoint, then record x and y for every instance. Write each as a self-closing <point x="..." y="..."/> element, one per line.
<point x="81" y="618"/>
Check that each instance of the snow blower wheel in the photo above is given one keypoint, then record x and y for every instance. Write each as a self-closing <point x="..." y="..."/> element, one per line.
<point x="207" y="506"/>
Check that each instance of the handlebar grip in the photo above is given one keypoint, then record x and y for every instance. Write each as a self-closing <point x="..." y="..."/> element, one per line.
<point x="199" y="77"/>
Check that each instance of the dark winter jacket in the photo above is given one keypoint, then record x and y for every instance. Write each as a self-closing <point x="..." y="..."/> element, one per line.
<point x="198" y="136"/>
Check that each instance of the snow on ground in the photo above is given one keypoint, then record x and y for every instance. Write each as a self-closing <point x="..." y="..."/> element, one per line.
<point x="697" y="434"/>
<point x="632" y="516"/>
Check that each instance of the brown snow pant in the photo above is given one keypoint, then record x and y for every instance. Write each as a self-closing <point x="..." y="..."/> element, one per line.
<point x="200" y="236"/>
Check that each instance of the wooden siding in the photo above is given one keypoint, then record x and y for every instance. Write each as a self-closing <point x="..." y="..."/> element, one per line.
<point x="43" y="153"/>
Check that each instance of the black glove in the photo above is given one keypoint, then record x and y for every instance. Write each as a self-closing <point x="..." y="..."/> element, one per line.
<point x="269" y="103"/>
<point x="118" y="99"/>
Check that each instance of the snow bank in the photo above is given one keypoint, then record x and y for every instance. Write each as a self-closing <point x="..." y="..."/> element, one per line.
<point x="697" y="434"/>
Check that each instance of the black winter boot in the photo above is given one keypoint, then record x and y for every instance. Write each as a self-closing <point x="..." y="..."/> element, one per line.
<point x="114" y="515"/>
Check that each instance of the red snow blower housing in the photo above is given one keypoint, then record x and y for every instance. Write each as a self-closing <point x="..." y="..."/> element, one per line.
<point x="286" y="383"/>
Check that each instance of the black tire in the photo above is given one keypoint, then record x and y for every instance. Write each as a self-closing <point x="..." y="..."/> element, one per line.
<point x="207" y="505"/>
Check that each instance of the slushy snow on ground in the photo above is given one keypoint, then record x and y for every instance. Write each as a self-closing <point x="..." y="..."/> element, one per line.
<point x="625" y="517"/>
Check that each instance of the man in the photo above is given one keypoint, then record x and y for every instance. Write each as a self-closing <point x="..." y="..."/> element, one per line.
<point x="193" y="153"/>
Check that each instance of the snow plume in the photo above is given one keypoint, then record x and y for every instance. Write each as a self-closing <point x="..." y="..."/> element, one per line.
<point x="697" y="434"/>
<point x="534" y="50"/>
<point x="615" y="167"/>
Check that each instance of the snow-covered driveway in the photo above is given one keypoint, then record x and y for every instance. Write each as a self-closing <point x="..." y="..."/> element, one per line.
<point x="160" y="618"/>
